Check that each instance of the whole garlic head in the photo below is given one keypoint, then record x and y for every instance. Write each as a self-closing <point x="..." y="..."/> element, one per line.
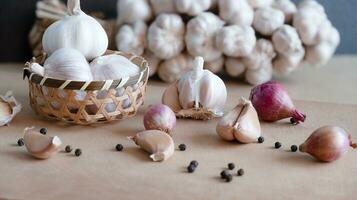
<point x="236" y="12"/>
<point x="172" y="69"/>
<point x="130" y="11"/>
<point x="163" y="6"/>
<point x="234" y="66"/>
<point x="166" y="36"/>
<point x="9" y="107"/>
<point x="132" y="38"/>
<point x="78" y="31"/>
<point x="260" y="3"/>
<point x="286" y="40"/>
<point x="267" y="20"/>
<point x="260" y="75"/>
<point x="287" y="7"/>
<point x="200" y="36"/>
<point x="236" y="41"/>
<point x="215" y="66"/>
<point x="241" y="124"/>
<point x="193" y="7"/>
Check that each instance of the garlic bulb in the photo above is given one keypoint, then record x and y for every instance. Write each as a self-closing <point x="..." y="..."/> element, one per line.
<point x="163" y="6"/>
<point x="78" y="31"/>
<point x="9" y="108"/>
<point x="236" y="12"/>
<point x="215" y="66"/>
<point x="132" y="38"/>
<point x="165" y="36"/>
<point x="260" y="75"/>
<point x="200" y="36"/>
<point x="236" y="41"/>
<point x="39" y="145"/>
<point x="267" y="20"/>
<point x="130" y="11"/>
<point x="67" y="64"/>
<point x="286" y="40"/>
<point x="234" y="66"/>
<point x="112" y="67"/>
<point x="284" y="65"/>
<point x="153" y="62"/>
<point x="241" y="124"/>
<point x="172" y="69"/>
<point x="287" y="7"/>
<point x="260" y="3"/>
<point x="158" y="143"/>
<point x="192" y="7"/>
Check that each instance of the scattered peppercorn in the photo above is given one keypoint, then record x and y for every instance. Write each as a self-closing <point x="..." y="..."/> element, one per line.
<point x="194" y="163"/>
<point x="119" y="147"/>
<point x="43" y="131"/>
<point x="294" y="148"/>
<point x="21" y="142"/>
<point x="231" y="166"/>
<point x="293" y="121"/>
<point x="277" y="145"/>
<point x="229" y="178"/>
<point x="240" y="172"/>
<point x="260" y="139"/>
<point x="68" y="149"/>
<point x="182" y="147"/>
<point x="78" y="152"/>
<point x="224" y="174"/>
<point x="191" y="168"/>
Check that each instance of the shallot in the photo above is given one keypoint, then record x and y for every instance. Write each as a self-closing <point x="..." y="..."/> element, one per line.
<point x="159" y="117"/>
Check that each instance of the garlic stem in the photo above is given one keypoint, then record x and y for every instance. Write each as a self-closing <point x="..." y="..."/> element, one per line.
<point x="74" y="7"/>
<point x="197" y="73"/>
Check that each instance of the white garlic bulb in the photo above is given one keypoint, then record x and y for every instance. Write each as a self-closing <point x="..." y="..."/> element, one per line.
<point x="262" y="54"/>
<point x="260" y="3"/>
<point x="285" y="64"/>
<point x="9" y="107"/>
<point x="172" y="69"/>
<point x="267" y="20"/>
<point x="163" y="6"/>
<point x="287" y="7"/>
<point x="215" y="66"/>
<point x="78" y="31"/>
<point x="260" y="75"/>
<point x="193" y="7"/>
<point x="236" y="12"/>
<point x="200" y="36"/>
<point x="153" y="62"/>
<point x="236" y="41"/>
<point x="286" y="40"/>
<point x="112" y="67"/>
<point x="130" y="11"/>
<point x="132" y="38"/>
<point x="67" y="64"/>
<point x="234" y="66"/>
<point x="166" y="36"/>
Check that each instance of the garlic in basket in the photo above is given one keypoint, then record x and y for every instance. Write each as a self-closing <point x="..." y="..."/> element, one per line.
<point x="9" y="107"/>
<point x="78" y="31"/>
<point x="199" y="94"/>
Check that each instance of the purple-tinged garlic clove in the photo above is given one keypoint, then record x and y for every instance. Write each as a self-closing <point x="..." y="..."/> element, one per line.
<point x="9" y="107"/>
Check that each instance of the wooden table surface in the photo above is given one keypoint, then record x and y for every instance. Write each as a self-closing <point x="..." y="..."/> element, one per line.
<point x="327" y="96"/>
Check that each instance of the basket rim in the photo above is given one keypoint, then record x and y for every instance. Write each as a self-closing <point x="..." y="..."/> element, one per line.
<point x="36" y="78"/>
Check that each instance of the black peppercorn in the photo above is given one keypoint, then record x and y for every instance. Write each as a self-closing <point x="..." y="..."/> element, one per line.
<point x="224" y="174"/>
<point x="191" y="168"/>
<point x="20" y="142"/>
<point x="182" y="147"/>
<point x="294" y="148"/>
<point x="231" y="166"/>
<point x="229" y="178"/>
<point x="277" y="145"/>
<point x="68" y="149"/>
<point x="119" y="147"/>
<point x="194" y="163"/>
<point x="43" y="131"/>
<point x="78" y="152"/>
<point x="260" y="139"/>
<point x="240" y="172"/>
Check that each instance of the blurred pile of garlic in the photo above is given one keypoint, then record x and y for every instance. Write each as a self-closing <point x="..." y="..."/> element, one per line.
<point x="245" y="38"/>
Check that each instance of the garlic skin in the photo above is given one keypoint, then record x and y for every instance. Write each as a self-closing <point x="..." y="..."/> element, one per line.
<point x="236" y="41"/>
<point x="171" y="98"/>
<point x="78" y="31"/>
<point x="130" y="11"/>
<point x="241" y="124"/>
<point x="260" y="3"/>
<point x="153" y="62"/>
<point x="192" y="7"/>
<point x="236" y="12"/>
<point x="40" y="146"/>
<point x="37" y="68"/>
<point x="267" y="20"/>
<point x="158" y="143"/>
<point x="112" y="67"/>
<point x="163" y="6"/>
<point x="172" y="69"/>
<point x="132" y="38"/>
<point x="234" y="67"/>
<point x="67" y="64"/>
<point x="200" y="36"/>
<point x="9" y="107"/>
<point x="215" y="66"/>
<point x="159" y="117"/>
<point x="327" y="143"/>
<point x="166" y="36"/>
<point x="287" y="7"/>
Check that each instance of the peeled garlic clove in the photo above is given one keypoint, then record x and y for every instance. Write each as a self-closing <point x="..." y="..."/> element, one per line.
<point x="9" y="107"/>
<point x="39" y="145"/>
<point x="171" y="97"/>
<point x="241" y="124"/>
<point x="327" y="143"/>
<point x="158" y="143"/>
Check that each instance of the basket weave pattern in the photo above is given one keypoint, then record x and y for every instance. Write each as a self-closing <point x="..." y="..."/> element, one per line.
<point x="88" y="102"/>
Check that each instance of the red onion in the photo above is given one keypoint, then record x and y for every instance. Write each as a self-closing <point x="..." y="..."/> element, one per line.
<point x="327" y="143"/>
<point x="159" y="117"/>
<point x="273" y="103"/>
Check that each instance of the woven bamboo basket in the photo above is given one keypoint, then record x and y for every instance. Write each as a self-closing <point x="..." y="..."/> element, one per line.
<point x="84" y="103"/>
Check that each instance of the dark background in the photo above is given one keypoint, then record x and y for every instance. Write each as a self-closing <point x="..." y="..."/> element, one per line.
<point x="17" y="17"/>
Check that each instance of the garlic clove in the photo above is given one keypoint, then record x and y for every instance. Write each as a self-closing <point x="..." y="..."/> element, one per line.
<point x="40" y="146"/>
<point x="159" y="144"/>
<point x="171" y="97"/>
<point x="9" y="108"/>
<point x="241" y="124"/>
